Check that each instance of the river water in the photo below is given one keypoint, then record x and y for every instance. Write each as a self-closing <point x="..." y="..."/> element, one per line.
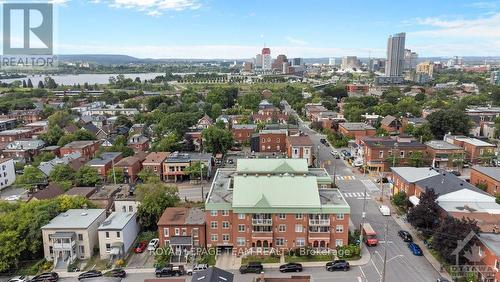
<point x="71" y="79"/>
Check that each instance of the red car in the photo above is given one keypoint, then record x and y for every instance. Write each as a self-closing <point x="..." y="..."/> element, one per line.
<point x="140" y="247"/>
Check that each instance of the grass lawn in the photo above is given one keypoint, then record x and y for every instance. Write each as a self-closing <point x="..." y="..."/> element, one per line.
<point x="308" y="259"/>
<point x="262" y="259"/>
<point x="96" y="263"/>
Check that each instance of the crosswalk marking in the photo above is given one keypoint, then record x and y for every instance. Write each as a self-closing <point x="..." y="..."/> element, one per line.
<point x="369" y="185"/>
<point x="345" y="177"/>
<point x="354" y="195"/>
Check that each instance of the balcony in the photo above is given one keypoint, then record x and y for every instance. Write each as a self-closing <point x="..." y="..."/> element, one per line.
<point x="63" y="246"/>
<point x="262" y="221"/>
<point x="321" y="222"/>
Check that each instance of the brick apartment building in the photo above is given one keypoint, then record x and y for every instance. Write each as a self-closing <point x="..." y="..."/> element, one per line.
<point x="176" y="163"/>
<point x="443" y="154"/>
<point x="356" y="129"/>
<point x="87" y="149"/>
<point x="154" y="162"/>
<point x="243" y="132"/>
<point x="474" y="148"/>
<point x="381" y="152"/>
<point x="131" y="167"/>
<point x="275" y="203"/>
<point x="489" y="176"/>
<point x="182" y="229"/>
<point x="272" y="140"/>
<point x="105" y="162"/>
<point x="300" y="147"/>
<point x="15" y="134"/>
<point x="392" y="125"/>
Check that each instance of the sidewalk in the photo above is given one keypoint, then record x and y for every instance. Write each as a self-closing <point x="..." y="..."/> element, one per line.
<point x="436" y="264"/>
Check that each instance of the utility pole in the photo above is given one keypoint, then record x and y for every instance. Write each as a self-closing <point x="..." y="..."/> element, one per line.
<point x="385" y="250"/>
<point x="334" y="174"/>
<point x="363" y="217"/>
<point x="201" y="180"/>
<point x="114" y="174"/>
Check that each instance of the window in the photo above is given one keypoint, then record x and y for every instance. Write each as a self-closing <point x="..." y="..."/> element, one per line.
<point x="299" y="216"/>
<point x="118" y="234"/>
<point x="195" y="232"/>
<point x="124" y="209"/>
<point x="282" y="228"/>
<point x="184" y="231"/>
<point x="339" y="242"/>
<point x="263" y="141"/>
<point x="213" y="224"/>
<point x="241" y="216"/>
<point x="165" y="232"/>
<point x="130" y="208"/>
<point x="225" y="224"/>
<point x="241" y="228"/>
<point x="263" y="148"/>
<point x="339" y="229"/>
<point x="225" y="212"/>
<point x="268" y="139"/>
<point x="82" y="251"/>
<point x="214" y="238"/>
<point x="240" y="241"/>
<point x="278" y="147"/>
<point x="381" y="154"/>
<point x="225" y="237"/>
<point x="306" y="151"/>
<point x="213" y="213"/>
<point x="80" y="237"/>
<point x="497" y="264"/>
<point x="280" y="241"/>
<point x="300" y="242"/>
<point x="340" y="216"/>
<point x="107" y="235"/>
<point x="177" y="231"/>
<point x="277" y="140"/>
<point x="282" y="216"/>
<point x="295" y="151"/>
<point x="108" y="247"/>
<point x="401" y="154"/>
<point x="299" y="228"/>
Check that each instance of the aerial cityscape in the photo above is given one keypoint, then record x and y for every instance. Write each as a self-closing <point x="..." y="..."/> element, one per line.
<point x="259" y="141"/>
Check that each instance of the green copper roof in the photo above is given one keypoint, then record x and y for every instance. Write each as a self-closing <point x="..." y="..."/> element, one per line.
<point x="275" y="192"/>
<point x="272" y="166"/>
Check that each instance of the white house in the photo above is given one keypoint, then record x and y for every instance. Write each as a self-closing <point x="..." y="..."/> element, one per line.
<point x="7" y="173"/>
<point x="117" y="234"/>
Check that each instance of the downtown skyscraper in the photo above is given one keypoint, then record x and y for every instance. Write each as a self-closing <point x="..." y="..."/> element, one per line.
<point x="394" y="65"/>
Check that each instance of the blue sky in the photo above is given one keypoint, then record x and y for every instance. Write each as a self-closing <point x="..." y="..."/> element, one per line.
<point x="239" y="28"/>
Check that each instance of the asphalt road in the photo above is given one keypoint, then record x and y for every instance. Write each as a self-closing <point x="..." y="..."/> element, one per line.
<point x="401" y="264"/>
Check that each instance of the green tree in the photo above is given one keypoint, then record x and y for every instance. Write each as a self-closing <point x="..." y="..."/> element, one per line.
<point x="10" y="250"/>
<point x="154" y="199"/>
<point x="87" y="176"/>
<point x="30" y="177"/>
<point x="250" y="101"/>
<point x="194" y="170"/>
<point x="42" y="157"/>
<point x="52" y="136"/>
<point x="169" y="143"/>
<point x="62" y="174"/>
<point x="163" y="256"/>
<point x="216" y="111"/>
<point x="217" y="140"/>
<point x="116" y="173"/>
<point x="425" y="216"/>
<point x="333" y="91"/>
<point x="122" y="120"/>
<point x="423" y="132"/>
<point x="417" y="159"/>
<point x="66" y="139"/>
<point x="450" y="120"/>
<point x="147" y="175"/>
<point x="82" y="134"/>
<point x="399" y="199"/>
<point x="60" y="118"/>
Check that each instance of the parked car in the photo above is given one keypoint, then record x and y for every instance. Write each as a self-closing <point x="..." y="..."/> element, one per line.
<point x="140" y="247"/>
<point x="457" y="173"/>
<point x="18" y="279"/>
<point x="230" y="161"/>
<point x="357" y="163"/>
<point x="251" y="267"/>
<point x="46" y="277"/>
<point x="385" y="210"/>
<point x="337" y="265"/>
<point x="345" y="154"/>
<point x="169" y="271"/>
<point x="441" y="279"/>
<point x="196" y="268"/>
<point x="322" y="140"/>
<point x="415" y="249"/>
<point x="90" y="274"/>
<point x="13" y="198"/>
<point x="405" y="235"/>
<point x="335" y="154"/>
<point x="153" y="244"/>
<point x="118" y="272"/>
<point x="291" y="267"/>
<point x="384" y="180"/>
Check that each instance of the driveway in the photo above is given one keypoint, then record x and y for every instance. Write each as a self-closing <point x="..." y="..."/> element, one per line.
<point x="143" y="260"/>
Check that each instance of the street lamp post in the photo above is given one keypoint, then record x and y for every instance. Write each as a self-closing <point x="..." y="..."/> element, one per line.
<point x="201" y="180"/>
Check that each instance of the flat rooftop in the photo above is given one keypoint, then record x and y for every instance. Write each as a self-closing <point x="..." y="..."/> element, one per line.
<point x="442" y="145"/>
<point x="74" y="219"/>
<point x="117" y="220"/>
<point x="356" y="126"/>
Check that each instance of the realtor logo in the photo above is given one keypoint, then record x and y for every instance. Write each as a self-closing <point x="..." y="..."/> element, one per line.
<point x="28" y="35"/>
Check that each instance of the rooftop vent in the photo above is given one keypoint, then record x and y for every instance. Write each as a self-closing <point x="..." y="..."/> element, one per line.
<point x="85" y="213"/>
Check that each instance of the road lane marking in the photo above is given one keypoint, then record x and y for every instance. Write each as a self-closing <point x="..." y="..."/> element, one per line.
<point x="369" y="185"/>
<point x="376" y="269"/>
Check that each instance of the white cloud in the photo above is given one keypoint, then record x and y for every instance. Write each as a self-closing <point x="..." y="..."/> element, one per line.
<point x="156" y="8"/>
<point x="484" y="27"/>
<point x="484" y="4"/>
<point x="210" y="51"/>
<point x="296" y="41"/>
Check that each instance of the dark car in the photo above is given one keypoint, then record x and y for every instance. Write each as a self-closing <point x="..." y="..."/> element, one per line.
<point x="322" y="140"/>
<point x="415" y="249"/>
<point x="118" y="272"/>
<point x="291" y="267"/>
<point x="405" y="235"/>
<point x="441" y="279"/>
<point x="90" y="274"/>
<point x="48" y="276"/>
<point x="337" y="265"/>
<point x="169" y="271"/>
<point x="251" y="267"/>
<point x="140" y="247"/>
<point x="456" y="173"/>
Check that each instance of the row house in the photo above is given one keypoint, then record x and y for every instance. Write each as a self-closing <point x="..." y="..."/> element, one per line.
<point x="38" y="127"/>
<point x="490" y="256"/>
<point x="23" y="150"/>
<point x="26" y="116"/>
<point x="154" y="162"/>
<point x="475" y="149"/>
<point x="87" y="149"/>
<point x="242" y="133"/>
<point x="487" y="176"/>
<point x="313" y="110"/>
<point x="7" y="123"/>
<point x="182" y="229"/>
<point x="117" y="234"/>
<point x="138" y="142"/>
<point x="392" y="125"/>
<point x="274" y="203"/>
<point x="15" y="134"/>
<point x="131" y="167"/>
<point x="174" y="167"/>
<point x="204" y="122"/>
<point x="380" y="153"/>
<point x="272" y="140"/>
<point x="269" y="117"/>
<point x="300" y="147"/>
<point x="105" y="162"/>
<point x="356" y="130"/>
<point x="130" y="112"/>
<point x="444" y="155"/>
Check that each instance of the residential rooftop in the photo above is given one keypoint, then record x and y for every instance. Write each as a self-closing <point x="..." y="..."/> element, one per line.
<point x="105" y="158"/>
<point x="117" y="220"/>
<point x="245" y="126"/>
<point x="188" y="156"/>
<point x="492" y="241"/>
<point x="182" y="216"/>
<point x="74" y="219"/>
<point x="493" y="172"/>
<point x="15" y="131"/>
<point x="25" y="144"/>
<point x="414" y="174"/>
<point x="354" y="126"/>
<point x="473" y="141"/>
<point x="156" y="158"/>
<point x="80" y="144"/>
<point x="300" y="140"/>
<point x="442" y="145"/>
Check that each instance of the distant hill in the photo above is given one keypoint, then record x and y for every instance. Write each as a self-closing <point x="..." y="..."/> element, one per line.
<point x="101" y="59"/>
